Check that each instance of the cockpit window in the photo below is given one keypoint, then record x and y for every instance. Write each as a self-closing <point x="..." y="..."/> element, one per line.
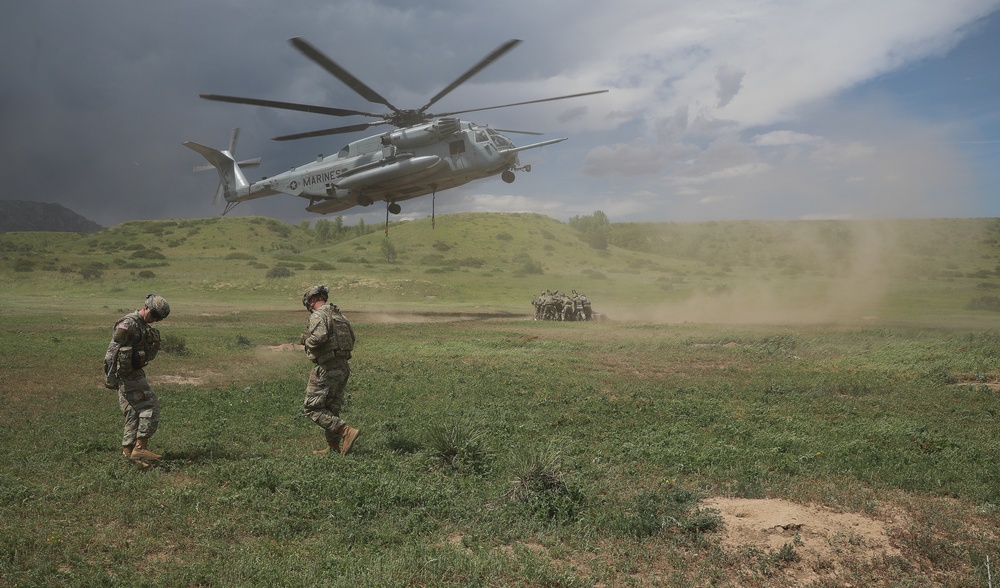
<point x="498" y="139"/>
<point x="344" y="152"/>
<point x="481" y="136"/>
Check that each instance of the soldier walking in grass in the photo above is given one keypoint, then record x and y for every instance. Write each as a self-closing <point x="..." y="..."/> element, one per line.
<point x="134" y="343"/>
<point x="328" y="340"/>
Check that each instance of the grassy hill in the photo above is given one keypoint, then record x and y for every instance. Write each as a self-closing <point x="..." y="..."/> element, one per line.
<point x="785" y="272"/>
<point x="846" y="385"/>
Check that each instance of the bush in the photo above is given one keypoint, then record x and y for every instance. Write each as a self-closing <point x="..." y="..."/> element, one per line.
<point x="654" y="511"/>
<point x="279" y="272"/>
<point x="171" y="343"/>
<point x="146" y="274"/>
<point x="147" y="254"/>
<point x="456" y="446"/>
<point x="984" y="303"/>
<point x="539" y="483"/>
<point x="91" y="273"/>
<point x="24" y="265"/>
<point x="240" y="255"/>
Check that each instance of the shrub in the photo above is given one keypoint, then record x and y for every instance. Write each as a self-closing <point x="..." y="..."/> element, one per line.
<point x="539" y="483"/>
<point x="146" y="274"/>
<point x="24" y="265"/>
<point x="279" y="272"/>
<point x="529" y="266"/>
<point x="984" y="303"/>
<point x="456" y="446"/>
<point x="651" y="512"/>
<point x="147" y="254"/>
<point x="91" y="273"/>
<point x="240" y="255"/>
<point x="321" y="266"/>
<point x="172" y="343"/>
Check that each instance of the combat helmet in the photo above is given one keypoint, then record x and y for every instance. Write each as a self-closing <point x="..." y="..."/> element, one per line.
<point x="158" y="306"/>
<point x="318" y="290"/>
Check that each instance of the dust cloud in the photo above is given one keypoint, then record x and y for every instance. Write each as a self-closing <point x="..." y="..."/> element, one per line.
<point x="821" y="272"/>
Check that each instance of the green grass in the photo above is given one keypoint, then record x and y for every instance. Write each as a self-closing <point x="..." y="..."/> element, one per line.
<point x="495" y="450"/>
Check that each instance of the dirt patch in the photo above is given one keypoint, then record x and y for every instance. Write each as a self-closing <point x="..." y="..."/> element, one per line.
<point x="363" y="316"/>
<point x="285" y="347"/>
<point x="177" y="380"/>
<point x="811" y="541"/>
<point x="993" y="385"/>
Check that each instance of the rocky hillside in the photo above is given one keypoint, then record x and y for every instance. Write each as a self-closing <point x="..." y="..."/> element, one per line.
<point x="23" y="215"/>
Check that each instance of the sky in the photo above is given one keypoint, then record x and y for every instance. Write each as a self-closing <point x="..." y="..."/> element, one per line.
<point x="716" y="110"/>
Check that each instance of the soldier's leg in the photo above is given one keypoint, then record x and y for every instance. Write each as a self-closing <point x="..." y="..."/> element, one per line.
<point x="317" y="404"/>
<point x="131" y="423"/>
<point x="145" y="405"/>
<point x="337" y="377"/>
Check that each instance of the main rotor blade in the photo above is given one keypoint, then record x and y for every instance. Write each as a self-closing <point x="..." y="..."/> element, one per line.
<point x="288" y="105"/>
<point x="496" y="54"/>
<point x="340" y="73"/>
<point x="440" y="114"/>
<point x="333" y="131"/>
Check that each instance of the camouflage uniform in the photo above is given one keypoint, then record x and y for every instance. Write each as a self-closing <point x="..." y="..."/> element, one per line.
<point x="328" y="340"/>
<point x="134" y="343"/>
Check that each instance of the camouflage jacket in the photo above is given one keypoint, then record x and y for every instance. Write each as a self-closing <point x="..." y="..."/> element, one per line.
<point x="329" y="335"/>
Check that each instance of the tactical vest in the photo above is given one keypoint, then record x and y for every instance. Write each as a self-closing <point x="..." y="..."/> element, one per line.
<point x="340" y="336"/>
<point x="145" y="349"/>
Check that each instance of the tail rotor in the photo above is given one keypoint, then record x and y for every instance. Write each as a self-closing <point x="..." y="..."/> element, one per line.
<point x="231" y="152"/>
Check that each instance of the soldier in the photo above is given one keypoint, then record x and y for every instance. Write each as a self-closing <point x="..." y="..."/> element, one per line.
<point x="328" y="341"/>
<point x="588" y="313"/>
<point x="537" y="303"/>
<point x="548" y="306"/>
<point x="134" y="343"/>
<point x="565" y="306"/>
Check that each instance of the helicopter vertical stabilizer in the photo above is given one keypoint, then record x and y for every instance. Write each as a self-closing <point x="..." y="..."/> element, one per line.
<point x="230" y="173"/>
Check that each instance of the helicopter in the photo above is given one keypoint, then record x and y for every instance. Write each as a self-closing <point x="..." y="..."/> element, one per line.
<point x="427" y="152"/>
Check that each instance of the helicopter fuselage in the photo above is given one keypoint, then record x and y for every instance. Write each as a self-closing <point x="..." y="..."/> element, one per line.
<point x="392" y="167"/>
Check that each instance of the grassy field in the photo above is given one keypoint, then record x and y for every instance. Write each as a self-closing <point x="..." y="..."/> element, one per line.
<point x="848" y="366"/>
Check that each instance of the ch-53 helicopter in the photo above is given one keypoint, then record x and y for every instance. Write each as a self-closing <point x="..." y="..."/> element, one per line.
<point x="426" y="154"/>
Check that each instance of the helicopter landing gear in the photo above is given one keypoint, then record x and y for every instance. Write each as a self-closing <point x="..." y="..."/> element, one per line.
<point x="508" y="175"/>
<point x="393" y="207"/>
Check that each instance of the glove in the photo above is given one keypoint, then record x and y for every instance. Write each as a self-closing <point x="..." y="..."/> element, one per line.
<point x="110" y="384"/>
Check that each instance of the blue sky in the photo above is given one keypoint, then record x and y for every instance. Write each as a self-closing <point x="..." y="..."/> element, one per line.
<point x="717" y="110"/>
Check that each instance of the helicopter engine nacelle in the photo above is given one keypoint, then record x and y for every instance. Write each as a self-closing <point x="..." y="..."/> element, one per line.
<point x="424" y="134"/>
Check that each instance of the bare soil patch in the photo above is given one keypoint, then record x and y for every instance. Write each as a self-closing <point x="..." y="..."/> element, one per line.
<point x="821" y="540"/>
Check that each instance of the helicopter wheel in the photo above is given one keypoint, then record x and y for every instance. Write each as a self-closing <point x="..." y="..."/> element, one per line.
<point x="508" y="176"/>
<point x="394" y="208"/>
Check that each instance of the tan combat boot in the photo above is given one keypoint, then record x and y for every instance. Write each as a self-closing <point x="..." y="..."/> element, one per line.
<point x="127" y="451"/>
<point x="140" y="453"/>
<point x="332" y="441"/>
<point x="347" y="436"/>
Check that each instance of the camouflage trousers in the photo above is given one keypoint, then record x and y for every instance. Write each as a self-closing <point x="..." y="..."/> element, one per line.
<point x="140" y="407"/>
<point x="325" y="393"/>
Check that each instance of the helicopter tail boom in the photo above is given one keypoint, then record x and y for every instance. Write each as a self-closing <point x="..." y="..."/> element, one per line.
<point x="230" y="173"/>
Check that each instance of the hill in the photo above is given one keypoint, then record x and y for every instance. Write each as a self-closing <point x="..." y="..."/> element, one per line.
<point x="24" y="215"/>
<point x="733" y="272"/>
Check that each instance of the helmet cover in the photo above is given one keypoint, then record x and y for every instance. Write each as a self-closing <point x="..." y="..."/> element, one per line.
<point x="319" y="290"/>
<point x="158" y="306"/>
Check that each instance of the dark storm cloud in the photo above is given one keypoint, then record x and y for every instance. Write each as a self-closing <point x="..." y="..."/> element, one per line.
<point x="97" y="97"/>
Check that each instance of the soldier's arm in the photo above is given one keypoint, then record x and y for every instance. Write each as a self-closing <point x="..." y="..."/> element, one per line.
<point x="317" y="333"/>
<point x="119" y="338"/>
